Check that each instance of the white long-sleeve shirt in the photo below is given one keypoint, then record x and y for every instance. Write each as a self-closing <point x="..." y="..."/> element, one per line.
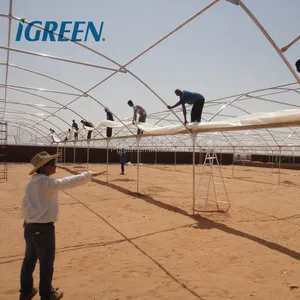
<point x="40" y="203"/>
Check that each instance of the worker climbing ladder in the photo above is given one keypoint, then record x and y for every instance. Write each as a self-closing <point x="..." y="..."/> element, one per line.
<point x="211" y="192"/>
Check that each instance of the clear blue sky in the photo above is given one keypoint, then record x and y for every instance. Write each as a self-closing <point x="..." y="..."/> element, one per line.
<point x="220" y="53"/>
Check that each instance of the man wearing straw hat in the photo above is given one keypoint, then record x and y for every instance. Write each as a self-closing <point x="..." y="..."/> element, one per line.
<point x="40" y="210"/>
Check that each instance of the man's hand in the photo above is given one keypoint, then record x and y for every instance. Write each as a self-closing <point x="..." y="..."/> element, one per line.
<point x="169" y="107"/>
<point x="133" y="122"/>
<point x="98" y="173"/>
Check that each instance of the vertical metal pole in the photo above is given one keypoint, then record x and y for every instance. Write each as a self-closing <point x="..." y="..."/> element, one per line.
<point x="74" y="152"/>
<point x="88" y="154"/>
<point x="6" y="152"/>
<point x="279" y="165"/>
<point x="140" y="157"/>
<point x="200" y="160"/>
<point x="138" y="165"/>
<point x="175" y="158"/>
<point x="19" y="134"/>
<point x="233" y="163"/>
<point x="272" y="162"/>
<point x="65" y="149"/>
<point x="200" y="156"/>
<point x="107" y="157"/>
<point x="194" y="176"/>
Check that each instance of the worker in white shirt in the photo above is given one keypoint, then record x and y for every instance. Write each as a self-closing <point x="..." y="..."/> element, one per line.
<point x="138" y="110"/>
<point x="40" y="210"/>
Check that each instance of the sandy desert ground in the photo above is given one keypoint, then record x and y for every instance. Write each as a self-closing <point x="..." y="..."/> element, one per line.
<point x="113" y="243"/>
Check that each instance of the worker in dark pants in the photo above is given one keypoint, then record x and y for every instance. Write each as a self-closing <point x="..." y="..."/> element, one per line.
<point x="88" y="124"/>
<point x="109" y="116"/>
<point x="122" y="160"/>
<point x="195" y="99"/>
<point x="75" y="127"/>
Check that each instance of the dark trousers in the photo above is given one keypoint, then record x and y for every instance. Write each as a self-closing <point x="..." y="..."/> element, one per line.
<point x="76" y="136"/>
<point x="89" y="135"/>
<point x="40" y="245"/>
<point x="196" y="112"/>
<point x="122" y="167"/>
<point x="142" y="119"/>
<point x="108" y="132"/>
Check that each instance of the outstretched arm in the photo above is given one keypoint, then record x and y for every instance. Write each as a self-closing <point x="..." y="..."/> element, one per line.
<point x="175" y="105"/>
<point x="70" y="181"/>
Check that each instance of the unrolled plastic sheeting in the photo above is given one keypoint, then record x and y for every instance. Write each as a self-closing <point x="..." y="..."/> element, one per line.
<point x="290" y="117"/>
<point x="282" y="118"/>
<point x="55" y="138"/>
<point x="113" y="124"/>
<point x="105" y="123"/>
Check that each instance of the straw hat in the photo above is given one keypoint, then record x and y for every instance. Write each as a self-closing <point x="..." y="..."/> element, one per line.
<point x="41" y="159"/>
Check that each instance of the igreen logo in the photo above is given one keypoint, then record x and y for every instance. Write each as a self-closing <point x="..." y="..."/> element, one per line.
<point x="80" y="31"/>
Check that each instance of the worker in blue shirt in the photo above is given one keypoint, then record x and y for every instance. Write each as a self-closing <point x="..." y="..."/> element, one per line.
<point x="195" y="99"/>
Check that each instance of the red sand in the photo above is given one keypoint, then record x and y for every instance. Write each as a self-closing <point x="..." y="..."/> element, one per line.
<point x="113" y="244"/>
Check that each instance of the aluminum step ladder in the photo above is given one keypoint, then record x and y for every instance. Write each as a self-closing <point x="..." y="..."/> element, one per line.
<point x="211" y="192"/>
